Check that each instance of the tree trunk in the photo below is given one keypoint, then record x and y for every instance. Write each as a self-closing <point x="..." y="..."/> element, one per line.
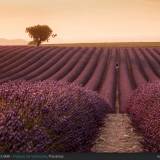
<point x="38" y="43"/>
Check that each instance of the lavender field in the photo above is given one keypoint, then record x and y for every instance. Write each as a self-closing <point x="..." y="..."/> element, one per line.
<point x="92" y="82"/>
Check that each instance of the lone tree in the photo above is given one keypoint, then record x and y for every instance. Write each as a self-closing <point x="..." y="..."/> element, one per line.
<point x="40" y="33"/>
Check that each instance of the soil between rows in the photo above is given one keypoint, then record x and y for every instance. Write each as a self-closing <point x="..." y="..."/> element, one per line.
<point x="118" y="136"/>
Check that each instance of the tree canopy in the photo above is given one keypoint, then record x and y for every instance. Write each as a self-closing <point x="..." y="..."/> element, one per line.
<point x="40" y="33"/>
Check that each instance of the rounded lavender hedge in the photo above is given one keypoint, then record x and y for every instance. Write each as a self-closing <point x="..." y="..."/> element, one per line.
<point x="48" y="116"/>
<point x="144" y="109"/>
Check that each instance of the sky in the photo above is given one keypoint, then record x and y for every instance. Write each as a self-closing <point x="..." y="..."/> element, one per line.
<point x="83" y="20"/>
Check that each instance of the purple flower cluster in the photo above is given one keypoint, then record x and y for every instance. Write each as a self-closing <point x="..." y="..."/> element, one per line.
<point x="144" y="109"/>
<point x="48" y="116"/>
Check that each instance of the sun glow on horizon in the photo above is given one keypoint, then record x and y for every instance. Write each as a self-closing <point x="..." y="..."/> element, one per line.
<point x="83" y="21"/>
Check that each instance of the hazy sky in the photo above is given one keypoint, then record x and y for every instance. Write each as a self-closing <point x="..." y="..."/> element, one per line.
<point x="83" y="20"/>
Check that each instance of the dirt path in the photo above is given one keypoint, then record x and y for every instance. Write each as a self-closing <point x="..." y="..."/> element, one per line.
<point x="118" y="135"/>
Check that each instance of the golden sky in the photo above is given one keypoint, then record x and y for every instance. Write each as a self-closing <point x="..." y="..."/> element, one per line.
<point x="83" y="20"/>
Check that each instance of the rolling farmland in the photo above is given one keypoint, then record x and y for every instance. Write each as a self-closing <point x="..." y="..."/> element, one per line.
<point x="92" y="68"/>
<point x="70" y="90"/>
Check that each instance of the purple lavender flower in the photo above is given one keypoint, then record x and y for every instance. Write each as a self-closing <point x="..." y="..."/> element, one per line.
<point x="49" y="116"/>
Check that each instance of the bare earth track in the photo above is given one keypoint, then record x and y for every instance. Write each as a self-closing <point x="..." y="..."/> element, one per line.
<point x="118" y="136"/>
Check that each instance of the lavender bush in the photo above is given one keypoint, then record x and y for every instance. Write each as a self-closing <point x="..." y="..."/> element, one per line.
<point x="48" y="116"/>
<point x="144" y="109"/>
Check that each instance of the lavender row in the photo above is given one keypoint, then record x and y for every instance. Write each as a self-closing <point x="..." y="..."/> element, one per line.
<point x="86" y="74"/>
<point x="144" y="110"/>
<point x="125" y="85"/>
<point x="152" y="62"/>
<point x="45" y="66"/>
<point x="137" y="72"/>
<point x="153" y="54"/>
<point x="149" y="72"/>
<point x="49" y="116"/>
<point x="28" y="54"/>
<point x="30" y="64"/>
<point x="17" y="54"/>
<point x="96" y="79"/>
<point x="55" y="68"/>
<point x="68" y="66"/>
<point x="108" y="87"/>
<point x="10" y="53"/>
<point x="12" y="68"/>
<point x="5" y="51"/>
<point x="77" y="70"/>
